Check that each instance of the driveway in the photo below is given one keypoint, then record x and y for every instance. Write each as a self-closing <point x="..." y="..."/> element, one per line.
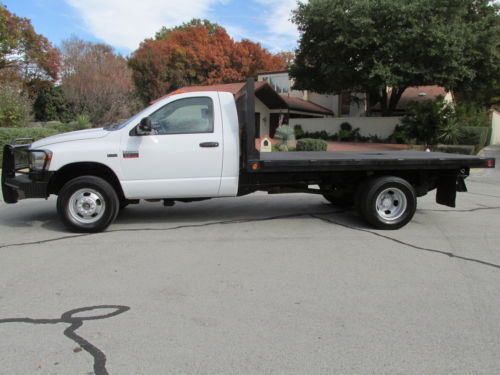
<point x="255" y="285"/>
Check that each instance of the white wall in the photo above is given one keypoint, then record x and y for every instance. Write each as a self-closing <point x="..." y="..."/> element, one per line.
<point x="495" y="124"/>
<point x="328" y="101"/>
<point x="264" y="117"/>
<point x="383" y="127"/>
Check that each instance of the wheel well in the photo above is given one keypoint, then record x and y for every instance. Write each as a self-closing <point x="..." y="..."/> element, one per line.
<point x="70" y="171"/>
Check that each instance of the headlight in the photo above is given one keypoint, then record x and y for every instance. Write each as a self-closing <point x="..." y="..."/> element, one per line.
<point x="40" y="160"/>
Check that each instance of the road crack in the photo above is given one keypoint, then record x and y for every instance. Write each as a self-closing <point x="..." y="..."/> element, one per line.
<point x="187" y="226"/>
<point x="400" y="242"/>
<point x="71" y="317"/>
<point x="461" y="210"/>
<point x="280" y="217"/>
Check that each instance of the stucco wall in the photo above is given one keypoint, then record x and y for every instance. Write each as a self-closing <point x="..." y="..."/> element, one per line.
<point x="383" y="127"/>
<point x="264" y="117"/>
<point x="495" y="134"/>
<point x="328" y="101"/>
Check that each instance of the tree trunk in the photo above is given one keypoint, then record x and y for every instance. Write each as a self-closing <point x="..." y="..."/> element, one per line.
<point x="396" y="95"/>
<point x="383" y="102"/>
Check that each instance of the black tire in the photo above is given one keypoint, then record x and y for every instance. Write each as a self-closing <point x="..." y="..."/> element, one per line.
<point x="387" y="202"/>
<point x="80" y="199"/>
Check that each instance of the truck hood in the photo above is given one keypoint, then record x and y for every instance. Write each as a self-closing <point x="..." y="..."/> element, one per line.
<point x="71" y="136"/>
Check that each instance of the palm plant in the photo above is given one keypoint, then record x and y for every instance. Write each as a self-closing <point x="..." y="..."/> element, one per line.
<point x="285" y="134"/>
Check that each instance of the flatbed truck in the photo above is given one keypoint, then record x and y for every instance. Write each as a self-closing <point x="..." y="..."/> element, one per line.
<point x="194" y="146"/>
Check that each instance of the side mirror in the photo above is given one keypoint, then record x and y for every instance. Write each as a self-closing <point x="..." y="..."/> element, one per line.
<point x="146" y="126"/>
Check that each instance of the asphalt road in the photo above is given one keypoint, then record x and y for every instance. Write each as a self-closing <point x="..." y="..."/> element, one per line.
<point x="256" y="285"/>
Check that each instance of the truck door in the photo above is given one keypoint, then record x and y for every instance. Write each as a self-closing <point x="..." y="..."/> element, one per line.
<point x="181" y="157"/>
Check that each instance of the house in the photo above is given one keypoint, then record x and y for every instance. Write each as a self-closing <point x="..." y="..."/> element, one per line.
<point x="417" y="94"/>
<point x="345" y="105"/>
<point x="271" y="106"/>
<point x="350" y="104"/>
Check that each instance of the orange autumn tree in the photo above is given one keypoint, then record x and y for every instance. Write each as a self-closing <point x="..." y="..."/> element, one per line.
<point x="198" y="52"/>
<point x="24" y="54"/>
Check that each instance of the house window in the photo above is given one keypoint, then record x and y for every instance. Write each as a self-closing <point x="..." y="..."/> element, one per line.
<point x="183" y="116"/>
<point x="279" y="82"/>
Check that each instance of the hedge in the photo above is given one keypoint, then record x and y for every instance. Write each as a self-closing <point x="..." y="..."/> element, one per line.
<point x="7" y="135"/>
<point x="308" y="144"/>
<point x="474" y="135"/>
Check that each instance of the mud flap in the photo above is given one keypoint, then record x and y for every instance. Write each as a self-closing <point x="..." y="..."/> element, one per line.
<point x="448" y="184"/>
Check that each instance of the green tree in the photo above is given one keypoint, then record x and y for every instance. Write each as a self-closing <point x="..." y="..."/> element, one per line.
<point x="212" y="28"/>
<point x="15" y="107"/>
<point x="51" y="105"/>
<point x="370" y="45"/>
<point x="483" y="20"/>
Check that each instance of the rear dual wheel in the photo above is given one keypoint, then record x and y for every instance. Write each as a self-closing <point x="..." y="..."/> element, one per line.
<point x="386" y="202"/>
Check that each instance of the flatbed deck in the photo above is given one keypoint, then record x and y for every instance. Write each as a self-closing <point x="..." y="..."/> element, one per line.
<point x="349" y="161"/>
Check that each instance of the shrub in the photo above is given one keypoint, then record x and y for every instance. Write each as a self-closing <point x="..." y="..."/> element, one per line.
<point x="282" y="148"/>
<point x="454" y="149"/>
<point x="430" y="122"/>
<point x="474" y="135"/>
<point x="318" y="135"/>
<point x="425" y="119"/>
<point x="15" y="107"/>
<point x="450" y="132"/>
<point x="285" y="134"/>
<point x="347" y="134"/>
<point x="399" y="135"/>
<point x="7" y="135"/>
<point x="81" y="122"/>
<point x="372" y="138"/>
<point x="346" y="126"/>
<point x="469" y="114"/>
<point x="299" y="132"/>
<point x="308" y="144"/>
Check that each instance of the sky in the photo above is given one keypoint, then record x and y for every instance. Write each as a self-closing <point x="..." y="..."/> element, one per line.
<point x="123" y="24"/>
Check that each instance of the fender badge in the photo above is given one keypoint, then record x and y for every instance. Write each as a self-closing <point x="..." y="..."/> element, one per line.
<point x="130" y="154"/>
<point x="112" y="155"/>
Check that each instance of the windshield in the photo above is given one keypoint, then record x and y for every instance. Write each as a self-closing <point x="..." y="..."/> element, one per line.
<point x="121" y="125"/>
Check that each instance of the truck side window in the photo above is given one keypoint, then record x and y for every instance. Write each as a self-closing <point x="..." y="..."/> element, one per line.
<point x="184" y="116"/>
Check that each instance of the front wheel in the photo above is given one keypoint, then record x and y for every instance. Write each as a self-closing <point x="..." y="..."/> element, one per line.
<point x="387" y="202"/>
<point x="87" y="204"/>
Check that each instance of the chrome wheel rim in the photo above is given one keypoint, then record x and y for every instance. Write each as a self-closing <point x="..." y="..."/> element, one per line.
<point x="391" y="204"/>
<point x="86" y="206"/>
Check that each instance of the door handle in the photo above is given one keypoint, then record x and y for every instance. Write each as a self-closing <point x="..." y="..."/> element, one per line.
<point x="209" y="144"/>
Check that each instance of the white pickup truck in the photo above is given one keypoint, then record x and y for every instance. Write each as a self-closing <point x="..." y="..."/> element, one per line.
<point x="200" y="145"/>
